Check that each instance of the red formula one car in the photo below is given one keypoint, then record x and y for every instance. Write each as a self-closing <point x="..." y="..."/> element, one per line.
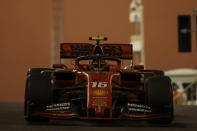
<point x="97" y="87"/>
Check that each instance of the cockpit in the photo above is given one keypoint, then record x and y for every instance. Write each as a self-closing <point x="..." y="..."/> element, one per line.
<point x="97" y="63"/>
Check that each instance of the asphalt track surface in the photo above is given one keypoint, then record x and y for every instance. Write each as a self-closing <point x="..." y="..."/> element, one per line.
<point x="11" y="118"/>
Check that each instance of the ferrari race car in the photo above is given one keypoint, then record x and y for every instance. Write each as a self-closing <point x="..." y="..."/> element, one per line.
<point x="97" y="87"/>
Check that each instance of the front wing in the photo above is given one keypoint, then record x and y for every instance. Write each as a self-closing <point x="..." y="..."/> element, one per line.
<point x="132" y="111"/>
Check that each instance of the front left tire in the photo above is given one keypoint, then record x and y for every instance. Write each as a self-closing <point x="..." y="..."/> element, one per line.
<point x="160" y="98"/>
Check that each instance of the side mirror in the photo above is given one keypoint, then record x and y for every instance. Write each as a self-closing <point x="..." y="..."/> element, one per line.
<point x="62" y="66"/>
<point x="138" y="67"/>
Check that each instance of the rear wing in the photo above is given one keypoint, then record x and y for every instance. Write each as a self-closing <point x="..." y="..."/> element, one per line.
<point x="74" y="50"/>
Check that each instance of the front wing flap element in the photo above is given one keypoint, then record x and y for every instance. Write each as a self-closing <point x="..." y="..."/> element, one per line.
<point x="139" y="112"/>
<point x="59" y="111"/>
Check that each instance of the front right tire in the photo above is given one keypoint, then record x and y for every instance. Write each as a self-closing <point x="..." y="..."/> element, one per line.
<point x="38" y="93"/>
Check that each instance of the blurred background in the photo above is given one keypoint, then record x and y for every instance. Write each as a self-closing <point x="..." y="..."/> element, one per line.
<point x="163" y="33"/>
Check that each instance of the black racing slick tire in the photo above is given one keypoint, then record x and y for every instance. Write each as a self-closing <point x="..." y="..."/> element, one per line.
<point x="160" y="98"/>
<point x="38" y="93"/>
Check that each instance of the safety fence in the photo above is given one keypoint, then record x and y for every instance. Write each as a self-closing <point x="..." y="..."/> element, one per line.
<point x="188" y="96"/>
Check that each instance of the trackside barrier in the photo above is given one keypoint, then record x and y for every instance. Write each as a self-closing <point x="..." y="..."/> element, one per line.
<point x="191" y="95"/>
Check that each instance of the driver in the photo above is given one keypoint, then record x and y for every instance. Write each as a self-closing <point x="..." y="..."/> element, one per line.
<point x="96" y="65"/>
